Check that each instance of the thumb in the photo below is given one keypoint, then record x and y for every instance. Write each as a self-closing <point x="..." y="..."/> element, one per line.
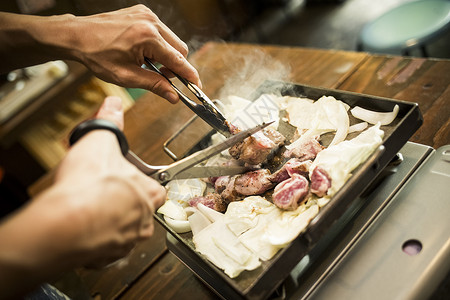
<point x="112" y="110"/>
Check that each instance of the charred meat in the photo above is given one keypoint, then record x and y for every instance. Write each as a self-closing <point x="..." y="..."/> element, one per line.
<point x="213" y="201"/>
<point x="253" y="183"/>
<point x="255" y="149"/>
<point x="237" y="187"/>
<point x="305" y="147"/>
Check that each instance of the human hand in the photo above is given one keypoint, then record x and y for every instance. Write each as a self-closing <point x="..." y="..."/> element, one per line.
<point x="98" y="208"/>
<point x="115" y="200"/>
<point x="113" y="45"/>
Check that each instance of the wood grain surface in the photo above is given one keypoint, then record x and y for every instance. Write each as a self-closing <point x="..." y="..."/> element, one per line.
<point x="423" y="81"/>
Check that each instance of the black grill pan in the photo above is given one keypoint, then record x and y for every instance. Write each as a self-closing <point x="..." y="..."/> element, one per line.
<point x="262" y="282"/>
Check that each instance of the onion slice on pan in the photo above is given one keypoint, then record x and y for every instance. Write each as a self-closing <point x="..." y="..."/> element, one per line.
<point x="358" y="127"/>
<point x="198" y="222"/>
<point x="373" y="117"/>
<point x="179" y="226"/>
<point x="173" y="210"/>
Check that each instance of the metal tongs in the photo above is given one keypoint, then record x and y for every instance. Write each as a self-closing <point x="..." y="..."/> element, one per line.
<point x="208" y="111"/>
<point x="182" y="169"/>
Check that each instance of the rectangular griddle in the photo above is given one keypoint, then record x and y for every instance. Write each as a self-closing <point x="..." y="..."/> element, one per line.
<point x="262" y="282"/>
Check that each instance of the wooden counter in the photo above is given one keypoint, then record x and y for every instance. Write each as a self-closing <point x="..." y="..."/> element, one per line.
<point x="154" y="273"/>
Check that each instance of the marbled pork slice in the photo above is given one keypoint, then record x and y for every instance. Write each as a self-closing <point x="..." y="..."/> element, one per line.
<point x="289" y="194"/>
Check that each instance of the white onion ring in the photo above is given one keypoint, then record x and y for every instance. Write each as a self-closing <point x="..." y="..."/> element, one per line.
<point x="190" y="210"/>
<point x="373" y="117"/>
<point x="177" y="225"/>
<point x="358" y="127"/>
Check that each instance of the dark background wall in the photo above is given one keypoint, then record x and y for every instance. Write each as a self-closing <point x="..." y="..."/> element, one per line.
<point x="326" y="24"/>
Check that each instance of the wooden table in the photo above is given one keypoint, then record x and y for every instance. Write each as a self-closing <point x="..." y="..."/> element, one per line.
<point x="152" y="272"/>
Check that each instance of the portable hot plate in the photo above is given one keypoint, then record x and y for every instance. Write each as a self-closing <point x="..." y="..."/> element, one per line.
<point x="384" y="235"/>
<point x="393" y="244"/>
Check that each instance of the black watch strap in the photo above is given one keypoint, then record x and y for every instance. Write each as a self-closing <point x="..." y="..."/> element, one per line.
<point x="96" y="124"/>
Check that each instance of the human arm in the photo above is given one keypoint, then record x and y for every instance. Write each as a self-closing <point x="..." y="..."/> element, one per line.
<point x="113" y="45"/>
<point x="98" y="208"/>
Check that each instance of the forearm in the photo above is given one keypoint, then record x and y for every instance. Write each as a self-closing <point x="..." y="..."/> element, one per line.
<point x="28" y="40"/>
<point x="34" y="243"/>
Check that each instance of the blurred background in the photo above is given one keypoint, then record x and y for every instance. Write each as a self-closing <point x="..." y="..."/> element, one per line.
<point x="327" y="24"/>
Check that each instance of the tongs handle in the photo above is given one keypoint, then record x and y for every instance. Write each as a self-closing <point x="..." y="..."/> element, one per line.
<point x="183" y="97"/>
<point x="207" y="111"/>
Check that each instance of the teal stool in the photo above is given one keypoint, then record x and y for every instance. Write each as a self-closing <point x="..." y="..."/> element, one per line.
<point x="410" y="25"/>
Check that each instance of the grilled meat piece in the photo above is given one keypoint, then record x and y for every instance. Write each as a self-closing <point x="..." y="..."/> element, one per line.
<point x="224" y="186"/>
<point x="292" y="166"/>
<point x="320" y="182"/>
<point x="237" y="187"/>
<point x="290" y="193"/>
<point x="298" y="166"/>
<point x="305" y="147"/>
<point x="255" y="149"/>
<point x="233" y="129"/>
<point x="253" y="183"/>
<point x="213" y="201"/>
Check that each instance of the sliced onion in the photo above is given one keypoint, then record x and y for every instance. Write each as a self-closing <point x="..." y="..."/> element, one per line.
<point x="182" y="190"/>
<point x="173" y="211"/>
<point x="373" y="117"/>
<point x="336" y="113"/>
<point x="341" y="133"/>
<point x="210" y="213"/>
<point x="177" y="225"/>
<point x="342" y="123"/>
<point x="198" y="222"/>
<point x="190" y="210"/>
<point x="358" y="127"/>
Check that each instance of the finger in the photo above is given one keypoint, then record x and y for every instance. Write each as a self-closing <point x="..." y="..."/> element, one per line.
<point x="162" y="87"/>
<point x="137" y="77"/>
<point x="173" y="60"/>
<point x="146" y="229"/>
<point x="153" y="197"/>
<point x="158" y="195"/>
<point x="112" y="110"/>
<point x="116" y="255"/>
<point x="168" y="35"/>
<point x="162" y="30"/>
<point x="173" y="40"/>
